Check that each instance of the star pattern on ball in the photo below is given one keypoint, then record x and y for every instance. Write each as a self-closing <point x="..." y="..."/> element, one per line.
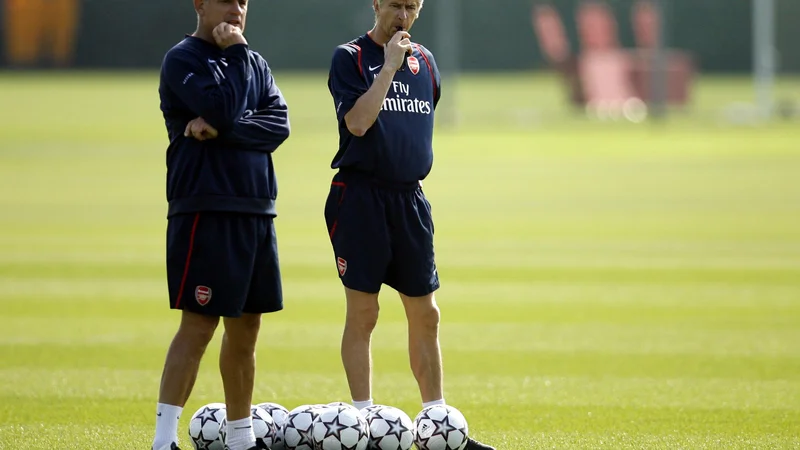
<point x="396" y="428"/>
<point x="305" y="438"/>
<point x="334" y="428"/>
<point x="206" y="415"/>
<point x="203" y="443"/>
<point x="255" y="414"/>
<point x="353" y="447"/>
<point x="443" y="427"/>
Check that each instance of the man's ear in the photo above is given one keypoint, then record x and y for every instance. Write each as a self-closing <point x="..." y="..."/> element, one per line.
<point x="199" y="6"/>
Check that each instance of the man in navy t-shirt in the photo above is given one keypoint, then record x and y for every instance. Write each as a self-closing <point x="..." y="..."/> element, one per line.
<point x="224" y="116"/>
<point x="385" y="90"/>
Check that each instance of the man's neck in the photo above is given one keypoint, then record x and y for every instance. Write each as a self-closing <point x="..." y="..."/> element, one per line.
<point x="205" y="35"/>
<point x="378" y="36"/>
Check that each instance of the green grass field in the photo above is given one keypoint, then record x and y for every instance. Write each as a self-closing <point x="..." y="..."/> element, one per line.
<point x="604" y="286"/>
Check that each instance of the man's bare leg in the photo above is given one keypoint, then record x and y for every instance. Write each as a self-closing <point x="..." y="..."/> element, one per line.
<point x="423" y="345"/>
<point x="237" y="364"/>
<point x="362" y="316"/>
<point x="180" y="372"/>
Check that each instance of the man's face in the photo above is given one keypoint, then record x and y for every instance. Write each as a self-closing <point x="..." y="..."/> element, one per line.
<point x="214" y="12"/>
<point x="394" y="15"/>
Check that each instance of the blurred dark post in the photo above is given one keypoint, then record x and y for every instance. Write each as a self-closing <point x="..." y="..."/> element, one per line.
<point x="764" y="54"/>
<point x="658" y="106"/>
<point x="447" y="20"/>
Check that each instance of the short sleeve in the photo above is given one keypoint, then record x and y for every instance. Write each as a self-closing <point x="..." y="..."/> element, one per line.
<point x="346" y="81"/>
<point x="437" y="77"/>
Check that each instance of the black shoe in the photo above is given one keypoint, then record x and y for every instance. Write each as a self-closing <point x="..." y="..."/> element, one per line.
<point x="172" y="446"/>
<point x="472" y="444"/>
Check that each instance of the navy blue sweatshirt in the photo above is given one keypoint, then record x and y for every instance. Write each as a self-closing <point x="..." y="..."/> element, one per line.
<point x="399" y="145"/>
<point x="234" y="91"/>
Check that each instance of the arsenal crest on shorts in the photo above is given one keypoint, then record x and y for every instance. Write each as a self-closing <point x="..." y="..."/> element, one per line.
<point x="342" y="265"/>
<point x="202" y="294"/>
<point x="413" y="64"/>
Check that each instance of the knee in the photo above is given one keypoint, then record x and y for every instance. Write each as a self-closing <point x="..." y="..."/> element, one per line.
<point x="363" y="318"/>
<point x="242" y="332"/>
<point x="424" y="317"/>
<point x="197" y="329"/>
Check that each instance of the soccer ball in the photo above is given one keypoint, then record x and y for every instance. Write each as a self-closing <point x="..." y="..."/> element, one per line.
<point x="339" y="428"/>
<point x="389" y="429"/>
<point x="342" y="404"/>
<point x="205" y="427"/>
<point x="440" y="427"/>
<point x="345" y="405"/>
<point x="279" y="414"/>
<point x="263" y="427"/>
<point x="298" y="427"/>
<point x="365" y="411"/>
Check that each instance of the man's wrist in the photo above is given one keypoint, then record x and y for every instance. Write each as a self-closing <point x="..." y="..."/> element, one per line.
<point x="240" y="47"/>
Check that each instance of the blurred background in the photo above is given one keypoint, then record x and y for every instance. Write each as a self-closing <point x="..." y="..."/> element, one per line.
<point x="616" y="191"/>
<point x="549" y="54"/>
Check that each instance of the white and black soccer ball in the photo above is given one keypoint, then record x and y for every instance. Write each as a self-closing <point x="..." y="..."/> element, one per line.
<point x="389" y="429"/>
<point x="340" y="428"/>
<point x="440" y="427"/>
<point x="342" y="404"/>
<point x="206" y="425"/>
<point x="298" y="428"/>
<point x="223" y="433"/>
<point x="348" y="405"/>
<point x="279" y="414"/>
<point x="365" y="411"/>
<point x="263" y="427"/>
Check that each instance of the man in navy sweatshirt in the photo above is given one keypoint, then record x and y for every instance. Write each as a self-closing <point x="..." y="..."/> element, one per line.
<point x="385" y="90"/>
<point x="224" y="116"/>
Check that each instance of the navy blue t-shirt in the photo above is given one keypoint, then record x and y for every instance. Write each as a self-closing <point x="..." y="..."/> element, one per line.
<point x="399" y="145"/>
<point x="234" y="91"/>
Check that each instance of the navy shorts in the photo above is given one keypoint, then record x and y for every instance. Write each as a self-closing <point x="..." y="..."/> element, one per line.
<point x="381" y="234"/>
<point x="223" y="264"/>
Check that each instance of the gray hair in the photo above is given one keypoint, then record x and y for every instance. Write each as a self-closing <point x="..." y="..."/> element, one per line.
<point x="420" y="2"/>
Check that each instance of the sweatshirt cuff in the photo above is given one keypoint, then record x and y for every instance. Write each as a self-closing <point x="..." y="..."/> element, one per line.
<point x="239" y="50"/>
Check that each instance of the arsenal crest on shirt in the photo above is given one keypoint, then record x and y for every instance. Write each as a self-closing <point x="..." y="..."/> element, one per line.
<point x="413" y="64"/>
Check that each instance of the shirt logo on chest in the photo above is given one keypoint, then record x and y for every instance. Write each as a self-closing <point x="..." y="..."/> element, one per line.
<point x="413" y="64"/>
<point x="400" y="98"/>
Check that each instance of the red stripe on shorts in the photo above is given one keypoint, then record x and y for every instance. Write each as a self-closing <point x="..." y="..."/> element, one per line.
<point x="188" y="260"/>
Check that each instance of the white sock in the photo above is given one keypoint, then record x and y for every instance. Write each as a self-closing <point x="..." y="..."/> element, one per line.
<point x="240" y="434"/>
<point x="363" y="404"/>
<point x="435" y="402"/>
<point x="167" y="418"/>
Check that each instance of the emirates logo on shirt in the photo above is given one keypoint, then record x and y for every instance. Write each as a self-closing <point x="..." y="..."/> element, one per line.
<point x="403" y="101"/>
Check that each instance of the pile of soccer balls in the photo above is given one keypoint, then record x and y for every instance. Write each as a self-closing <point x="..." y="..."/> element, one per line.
<point x="336" y="426"/>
